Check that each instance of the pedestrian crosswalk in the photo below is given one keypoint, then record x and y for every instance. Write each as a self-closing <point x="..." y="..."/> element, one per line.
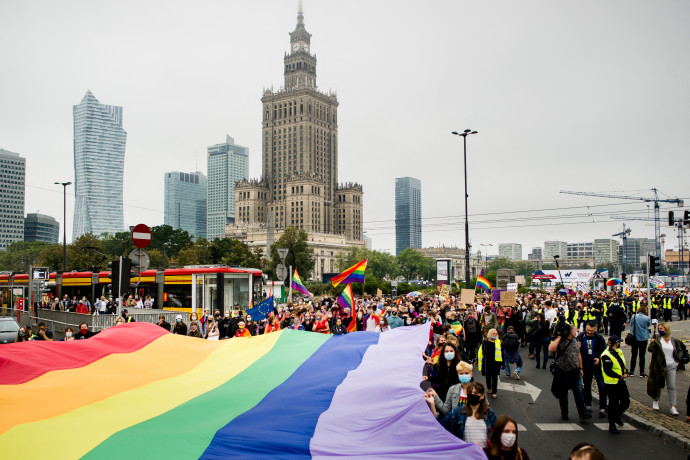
<point x="564" y="426"/>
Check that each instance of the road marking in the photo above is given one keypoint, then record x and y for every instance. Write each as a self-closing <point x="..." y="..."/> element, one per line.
<point x="527" y="388"/>
<point x="605" y="426"/>
<point x="521" y="427"/>
<point x="560" y="427"/>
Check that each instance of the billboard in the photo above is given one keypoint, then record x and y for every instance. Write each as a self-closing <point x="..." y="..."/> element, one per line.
<point x="442" y="271"/>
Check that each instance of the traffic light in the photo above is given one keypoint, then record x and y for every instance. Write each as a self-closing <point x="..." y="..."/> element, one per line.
<point x="118" y="273"/>
<point x="686" y="218"/>
<point x="653" y="263"/>
<point x="625" y="277"/>
<point x="671" y="220"/>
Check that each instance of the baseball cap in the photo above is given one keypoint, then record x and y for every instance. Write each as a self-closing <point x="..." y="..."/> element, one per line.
<point x="614" y="339"/>
<point x="178" y="317"/>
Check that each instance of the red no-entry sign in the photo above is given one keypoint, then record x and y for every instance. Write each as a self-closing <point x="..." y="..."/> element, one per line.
<point x="141" y="236"/>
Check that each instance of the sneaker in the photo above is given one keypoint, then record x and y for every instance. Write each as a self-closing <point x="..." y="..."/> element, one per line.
<point x="602" y="413"/>
<point x="517" y="375"/>
<point x="643" y="375"/>
<point x="655" y="405"/>
<point x="674" y="411"/>
<point x="631" y="374"/>
<point x="588" y="408"/>
<point x="613" y="429"/>
<point x="585" y="416"/>
<point x="531" y="356"/>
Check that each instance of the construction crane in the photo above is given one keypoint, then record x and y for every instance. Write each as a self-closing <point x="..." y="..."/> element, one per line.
<point x="624" y="236"/>
<point x="655" y="199"/>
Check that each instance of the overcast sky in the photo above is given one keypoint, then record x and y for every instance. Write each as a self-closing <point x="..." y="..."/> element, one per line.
<point x="589" y="95"/>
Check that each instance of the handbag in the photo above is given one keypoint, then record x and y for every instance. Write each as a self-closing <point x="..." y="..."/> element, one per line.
<point x="630" y="338"/>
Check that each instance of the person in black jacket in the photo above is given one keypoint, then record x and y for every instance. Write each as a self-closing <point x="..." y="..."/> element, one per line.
<point x="592" y="345"/>
<point x="225" y="326"/>
<point x="616" y="318"/>
<point x="163" y="323"/>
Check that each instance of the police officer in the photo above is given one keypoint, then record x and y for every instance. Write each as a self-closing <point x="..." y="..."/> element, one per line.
<point x="616" y="318"/>
<point x="615" y="372"/>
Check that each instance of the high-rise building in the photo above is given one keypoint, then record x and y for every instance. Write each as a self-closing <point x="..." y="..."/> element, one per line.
<point x="228" y="163"/>
<point x="634" y="252"/>
<point x="536" y="254"/>
<point x="185" y="202"/>
<point x="299" y="185"/>
<point x="408" y="214"/>
<point x="552" y="248"/>
<point x="605" y="251"/>
<point x="580" y="251"/>
<point x="99" y="160"/>
<point x="39" y="227"/>
<point x="510" y="251"/>
<point x="12" y="179"/>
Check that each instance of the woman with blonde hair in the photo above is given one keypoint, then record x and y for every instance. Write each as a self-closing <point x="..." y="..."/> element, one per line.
<point x="490" y="360"/>
<point x="457" y="394"/>
<point x="666" y="353"/>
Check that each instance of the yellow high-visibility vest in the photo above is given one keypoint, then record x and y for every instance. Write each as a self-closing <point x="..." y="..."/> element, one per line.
<point x="616" y="366"/>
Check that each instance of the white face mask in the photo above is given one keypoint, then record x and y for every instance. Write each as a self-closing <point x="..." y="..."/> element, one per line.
<point x="68" y="334"/>
<point x="508" y="439"/>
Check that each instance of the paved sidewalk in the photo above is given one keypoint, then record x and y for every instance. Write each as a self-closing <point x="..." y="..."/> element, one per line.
<point x="640" y="412"/>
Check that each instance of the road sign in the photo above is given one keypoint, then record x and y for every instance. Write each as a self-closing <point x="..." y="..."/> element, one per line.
<point x="281" y="271"/>
<point x="141" y="236"/>
<point x="282" y="253"/>
<point x="141" y="258"/>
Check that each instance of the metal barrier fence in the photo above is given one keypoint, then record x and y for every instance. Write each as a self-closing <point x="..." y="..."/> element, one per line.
<point x="57" y="321"/>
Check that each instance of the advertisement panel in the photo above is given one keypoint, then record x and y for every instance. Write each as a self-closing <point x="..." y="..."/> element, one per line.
<point x="442" y="271"/>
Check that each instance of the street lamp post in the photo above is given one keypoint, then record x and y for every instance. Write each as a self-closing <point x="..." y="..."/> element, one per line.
<point x="464" y="135"/>
<point x="164" y="245"/>
<point x="64" y="224"/>
<point x="486" y="254"/>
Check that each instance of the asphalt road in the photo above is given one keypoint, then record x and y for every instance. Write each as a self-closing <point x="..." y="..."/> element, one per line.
<point x="545" y="436"/>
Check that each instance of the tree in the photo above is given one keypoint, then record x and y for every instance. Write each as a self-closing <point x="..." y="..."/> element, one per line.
<point x="524" y="268"/>
<point x="380" y="265"/>
<point x="118" y="244"/>
<point x="196" y="253"/>
<point x="300" y="255"/>
<point x="51" y="257"/>
<point x="414" y="265"/>
<point x="233" y="253"/>
<point x="176" y="238"/>
<point x="19" y="255"/>
<point x="86" y="253"/>
<point x="499" y="263"/>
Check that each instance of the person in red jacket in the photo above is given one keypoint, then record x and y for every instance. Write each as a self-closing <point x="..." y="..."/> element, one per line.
<point x="242" y="331"/>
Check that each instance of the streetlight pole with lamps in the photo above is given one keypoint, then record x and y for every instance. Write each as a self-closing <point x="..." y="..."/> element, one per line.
<point x="64" y="224"/>
<point x="486" y="254"/>
<point x="464" y="135"/>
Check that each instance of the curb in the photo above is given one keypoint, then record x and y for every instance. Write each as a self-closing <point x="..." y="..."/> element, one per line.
<point x="661" y="431"/>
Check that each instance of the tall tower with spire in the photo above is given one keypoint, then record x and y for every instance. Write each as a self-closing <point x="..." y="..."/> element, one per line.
<point x="299" y="187"/>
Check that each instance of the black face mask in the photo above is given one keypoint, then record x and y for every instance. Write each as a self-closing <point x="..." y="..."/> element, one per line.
<point x="473" y="399"/>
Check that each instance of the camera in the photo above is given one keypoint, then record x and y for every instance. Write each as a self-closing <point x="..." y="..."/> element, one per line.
<point x="562" y="330"/>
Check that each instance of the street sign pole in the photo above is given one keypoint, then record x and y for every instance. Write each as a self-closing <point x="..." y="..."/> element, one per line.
<point x="290" y="294"/>
<point x="119" y="289"/>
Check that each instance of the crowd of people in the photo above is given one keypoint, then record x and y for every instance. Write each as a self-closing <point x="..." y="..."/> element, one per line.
<point x="581" y="335"/>
<point x="100" y="306"/>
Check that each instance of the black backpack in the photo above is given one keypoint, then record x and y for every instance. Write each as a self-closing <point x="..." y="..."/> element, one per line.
<point x="511" y="342"/>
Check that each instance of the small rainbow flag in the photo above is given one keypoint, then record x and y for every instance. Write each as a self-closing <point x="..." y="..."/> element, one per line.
<point x="484" y="283"/>
<point x="354" y="274"/>
<point x="346" y="298"/>
<point x="298" y="285"/>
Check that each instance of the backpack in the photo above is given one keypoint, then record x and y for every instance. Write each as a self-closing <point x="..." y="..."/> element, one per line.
<point x="511" y="342"/>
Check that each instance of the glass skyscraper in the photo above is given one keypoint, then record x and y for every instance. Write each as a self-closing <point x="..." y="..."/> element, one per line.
<point x="12" y="177"/>
<point x="39" y="227"/>
<point x="99" y="159"/>
<point x="185" y="202"/>
<point x="228" y="163"/>
<point x="408" y="214"/>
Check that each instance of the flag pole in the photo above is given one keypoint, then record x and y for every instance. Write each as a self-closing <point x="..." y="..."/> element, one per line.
<point x="290" y="294"/>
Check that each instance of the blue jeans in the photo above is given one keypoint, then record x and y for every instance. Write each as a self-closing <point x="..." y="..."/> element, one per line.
<point x="543" y="344"/>
<point x="506" y="366"/>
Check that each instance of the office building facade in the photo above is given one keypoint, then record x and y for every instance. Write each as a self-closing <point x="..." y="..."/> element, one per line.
<point x="12" y="188"/>
<point x="39" y="227"/>
<point x="510" y="251"/>
<point x="580" y="251"/>
<point x="536" y="254"/>
<point x="185" y="202"/>
<point x="553" y="248"/>
<point x="605" y="251"/>
<point x="99" y="160"/>
<point x="408" y="214"/>
<point x="227" y="164"/>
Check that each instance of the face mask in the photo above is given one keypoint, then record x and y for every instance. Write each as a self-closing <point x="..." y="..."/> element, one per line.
<point x="68" y="334"/>
<point x="494" y="337"/>
<point x="449" y="355"/>
<point x="84" y="330"/>
<point x="473" y="399"/>
<point x="22" y="334"/>
<point x="194" y="318"/>
<point x="179" y="320"/>
<point x="227" y="315"/>
<point x="508" y="439"/>
<point x="662" y="333"/>
<point x="465" y="378"/>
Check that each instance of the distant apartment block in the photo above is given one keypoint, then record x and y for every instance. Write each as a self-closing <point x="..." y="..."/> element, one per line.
<point x="510" y="251"/>
<point x="12" y="177"/>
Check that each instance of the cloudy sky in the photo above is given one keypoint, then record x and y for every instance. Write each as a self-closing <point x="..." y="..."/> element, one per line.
<point x="589" y="96"/>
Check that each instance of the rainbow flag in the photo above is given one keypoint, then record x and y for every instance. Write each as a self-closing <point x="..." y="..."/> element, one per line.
<point x="137" y="391"/>
<point x="346" y="299"/>
<point x="354" y="274"/>
<point x="298" y="285"/>
<point x="484" y="283"/>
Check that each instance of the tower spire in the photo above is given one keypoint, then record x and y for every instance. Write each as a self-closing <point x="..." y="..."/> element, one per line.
<point x="300" y="13"/>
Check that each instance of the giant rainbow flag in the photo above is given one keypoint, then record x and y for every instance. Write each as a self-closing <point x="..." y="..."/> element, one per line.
<point x="137" y="391"/>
